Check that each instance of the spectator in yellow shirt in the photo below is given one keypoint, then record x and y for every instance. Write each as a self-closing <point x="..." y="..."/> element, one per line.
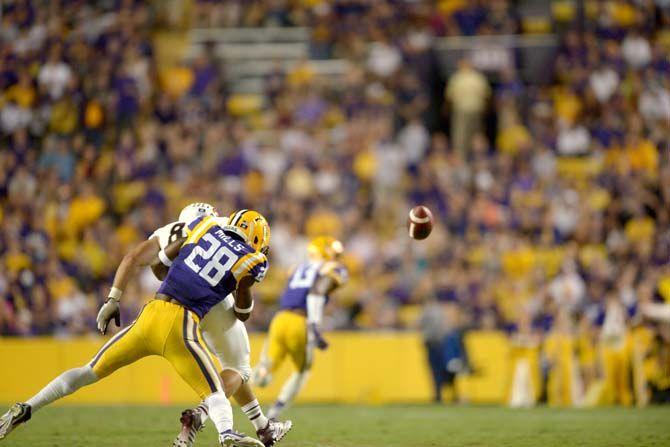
<point x="23" y="92"/>
<point x="642" y="154"/>
<point x="467" y="92"/>
<point x="85" y="209"/>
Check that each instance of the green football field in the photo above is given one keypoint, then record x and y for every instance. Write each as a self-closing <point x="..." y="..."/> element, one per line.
<point x="358" y="426"/>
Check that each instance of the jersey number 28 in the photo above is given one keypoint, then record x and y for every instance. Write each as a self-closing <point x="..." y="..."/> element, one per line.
<point x="221" y="259"/>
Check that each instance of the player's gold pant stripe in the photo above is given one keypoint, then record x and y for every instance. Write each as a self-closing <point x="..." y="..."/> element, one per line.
<point x="107" y="345"/>
<point x="204" y="353"/>
<point x="199" y="354"/>
<point x="202" y="347"/>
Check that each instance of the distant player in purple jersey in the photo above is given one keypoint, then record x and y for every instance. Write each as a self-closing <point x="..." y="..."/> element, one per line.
<point x="295" y="330"/>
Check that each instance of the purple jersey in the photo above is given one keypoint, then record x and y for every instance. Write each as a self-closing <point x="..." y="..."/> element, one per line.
<point x="304" y="277"/>
<point x="209" y="266"/>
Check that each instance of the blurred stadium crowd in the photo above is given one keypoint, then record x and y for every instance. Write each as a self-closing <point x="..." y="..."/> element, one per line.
<point x="552" y="200"/>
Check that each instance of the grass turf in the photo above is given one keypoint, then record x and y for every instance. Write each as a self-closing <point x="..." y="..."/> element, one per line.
<point x="358" y="426"/>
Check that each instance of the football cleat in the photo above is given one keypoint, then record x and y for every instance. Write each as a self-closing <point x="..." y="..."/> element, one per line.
<point x="16" y="415"/>
<point x="274" y="432"/>
<point x="191" y="424"/>
<point x="231" y="438"/>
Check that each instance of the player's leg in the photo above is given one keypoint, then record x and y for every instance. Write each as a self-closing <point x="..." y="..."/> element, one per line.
<point x="233" y="351"/>
<point x="63" y="385"/>
<point x="274" y="350"/>
<point x="124" y="348"/>
<point x="187" y="353"/>
<point x="301" y="356"/>
<point x="227" y="338"/>
<point x="269" y="431"/>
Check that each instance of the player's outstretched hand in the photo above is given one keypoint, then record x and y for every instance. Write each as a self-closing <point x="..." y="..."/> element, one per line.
<point x="317" y="339"/>
<point x="109" y="310"/>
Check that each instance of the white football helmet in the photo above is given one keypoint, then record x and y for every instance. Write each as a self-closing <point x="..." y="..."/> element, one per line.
<point x="194" y="210"/>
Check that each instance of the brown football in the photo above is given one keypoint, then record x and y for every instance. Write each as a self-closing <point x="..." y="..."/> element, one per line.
<point x="419" y="222"/>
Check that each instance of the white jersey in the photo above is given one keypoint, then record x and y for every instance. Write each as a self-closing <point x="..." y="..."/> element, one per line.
<point x="169" y="233"/>
<point x="225" y="335"/>
<point x="175" y="230"/>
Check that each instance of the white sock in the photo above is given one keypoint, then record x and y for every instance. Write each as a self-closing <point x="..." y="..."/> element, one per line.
<point x="220" y="411"/>
<point x="204" y="411"/>
<point x="67" y="383"/>
<point x="255" y="414"/>
<point x="288" y="392"/>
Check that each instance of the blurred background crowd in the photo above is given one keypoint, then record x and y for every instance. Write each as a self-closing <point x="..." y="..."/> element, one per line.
<point x="551" y="193"/>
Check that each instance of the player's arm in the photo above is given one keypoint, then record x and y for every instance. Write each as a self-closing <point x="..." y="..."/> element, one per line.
<point x="255" y="266"/>
<point x="170" y="233"/>
<point x="244" y="300"/>
<point x="146" y="253"/>
<point x="140" y="255"/>
<point x="161" y="262"/>
<point x="316" y="301"/>
<point x="316" y="298"/>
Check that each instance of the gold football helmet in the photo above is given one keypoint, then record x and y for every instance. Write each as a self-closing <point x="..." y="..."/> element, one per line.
<point x="324" y="248"/>
<point x="252" y="227"/>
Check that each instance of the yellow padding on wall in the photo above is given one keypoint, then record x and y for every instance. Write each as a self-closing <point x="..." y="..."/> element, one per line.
<point x="358" y="368"/>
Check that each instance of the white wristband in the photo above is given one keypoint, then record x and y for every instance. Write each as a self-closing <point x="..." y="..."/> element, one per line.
<point x="244" y="311"/>
<point x="115" y="294"/>
<point x="167" y="262"/>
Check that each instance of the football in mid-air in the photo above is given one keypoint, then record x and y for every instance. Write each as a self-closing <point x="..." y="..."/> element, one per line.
<point x="419" y="222"/>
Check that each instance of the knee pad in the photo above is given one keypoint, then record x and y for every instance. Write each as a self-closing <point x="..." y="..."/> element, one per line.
<point x="243" y="370"/>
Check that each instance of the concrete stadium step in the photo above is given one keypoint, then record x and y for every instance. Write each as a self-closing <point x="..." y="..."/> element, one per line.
<point x="249" y="54"/>
<point x="251" y="68"/>
<point x="249" y="76"/>
<point x="266" y="50"/>
<point x="249" y="35"/>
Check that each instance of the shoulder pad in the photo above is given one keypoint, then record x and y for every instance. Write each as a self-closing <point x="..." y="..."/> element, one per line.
<point x="201" y="223"/>
<point x="252" y="264"/>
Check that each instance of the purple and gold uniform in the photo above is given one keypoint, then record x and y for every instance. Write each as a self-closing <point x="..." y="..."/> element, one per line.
<point x="288" y="330"/>
<point x="209" y="266"/>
